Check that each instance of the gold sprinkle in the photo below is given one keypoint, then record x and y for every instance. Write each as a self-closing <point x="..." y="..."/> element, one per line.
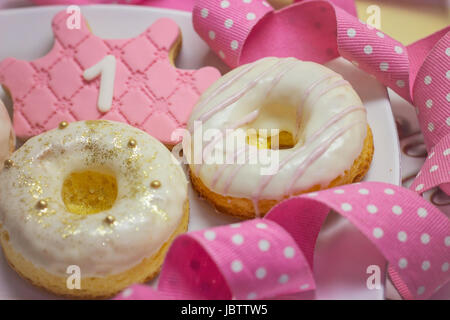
<point x="110" y="220"/>
<point x="42" y="204"/>
<point x="155" y="184"/>
<point x="132" y="143"/>
<point x="63" y="125"/>
<point x="8" y="163"/>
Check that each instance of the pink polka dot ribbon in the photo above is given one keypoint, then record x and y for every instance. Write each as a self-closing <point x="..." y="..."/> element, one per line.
<point x="273" y="256"/>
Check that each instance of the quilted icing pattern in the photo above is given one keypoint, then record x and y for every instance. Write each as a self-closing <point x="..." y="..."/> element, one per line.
<point x="149" y="92"/>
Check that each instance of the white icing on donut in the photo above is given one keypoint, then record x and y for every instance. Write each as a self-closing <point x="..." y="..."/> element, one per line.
<point x="315" y="104"/>
<point x="106" y="69"/>
<point x="145" y="217"/>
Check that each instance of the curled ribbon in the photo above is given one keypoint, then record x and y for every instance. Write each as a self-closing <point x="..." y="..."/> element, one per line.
<point x="273" y="256"/>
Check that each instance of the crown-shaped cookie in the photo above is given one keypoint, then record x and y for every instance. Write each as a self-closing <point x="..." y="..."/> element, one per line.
<point x="85" y="77"/>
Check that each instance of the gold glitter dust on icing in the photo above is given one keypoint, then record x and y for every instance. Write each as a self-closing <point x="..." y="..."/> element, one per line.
<point x="26" y="150"/>
<point x="153" y="157"/>
<point x="67" y="138"/>
<point x="39" y="211"/>
<point x="34" y="186"/>
<point x="97" y="124"/>
<point x="71" y="224"/>
<point x="104" y="229"/>
<point x="97" y="155"/>
<point x="118" y="140"/>
<point x="161" y="213"/>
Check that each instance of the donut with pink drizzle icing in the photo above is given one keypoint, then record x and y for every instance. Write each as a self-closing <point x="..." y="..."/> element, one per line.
<point x="272" y="129"/>
<point x="7" y="136"/>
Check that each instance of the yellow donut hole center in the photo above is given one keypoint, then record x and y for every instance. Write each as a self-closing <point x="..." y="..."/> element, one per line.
<point x="285" y="140"/>
<point x="89" y="192"/>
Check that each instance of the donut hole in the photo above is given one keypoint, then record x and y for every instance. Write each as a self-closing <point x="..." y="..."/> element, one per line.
<point x="285" y="140"/>
<point x="89" y="192"/>
<point x="276" y="125"/>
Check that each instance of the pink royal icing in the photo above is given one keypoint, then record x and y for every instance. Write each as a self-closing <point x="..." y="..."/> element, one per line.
<point x="149" y="92"/>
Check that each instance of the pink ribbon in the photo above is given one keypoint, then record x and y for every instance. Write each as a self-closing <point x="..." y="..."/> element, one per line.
<point x="273" y="256"/>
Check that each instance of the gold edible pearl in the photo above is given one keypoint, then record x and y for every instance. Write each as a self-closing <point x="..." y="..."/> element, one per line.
<point x="63" y="125"/>
<point x="42" y="204"/>
<point x="110" y="220"/>
<point x="155" y="184"/>
<point x="8" y="163"/>
<point x="132" y="143"/>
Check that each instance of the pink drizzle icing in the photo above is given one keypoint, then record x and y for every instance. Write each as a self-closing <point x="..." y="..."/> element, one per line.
<point x="207" y="115"/>
<point x="333" y="86"/>
<point x="278" y="78"/>
<point x="312" y="158"/>
<point x="316" y="154"/>
<point x="311" y="89"/>
<point x="265" y="182"/>
<point x="252" y="115"/>
<point x="226" y="85"/>
<point x="245" y="120"/>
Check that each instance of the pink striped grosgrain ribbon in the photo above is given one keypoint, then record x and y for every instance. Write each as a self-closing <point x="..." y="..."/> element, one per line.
<point x="273" y="256"/>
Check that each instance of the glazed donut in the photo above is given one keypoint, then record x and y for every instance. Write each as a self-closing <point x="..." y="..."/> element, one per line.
<point x="324" y="137"/>
<point x="99" y="195"/>
<point x="7" y="136"/>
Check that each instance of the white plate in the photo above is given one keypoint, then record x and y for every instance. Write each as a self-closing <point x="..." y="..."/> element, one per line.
<point x="342" y="254"/>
